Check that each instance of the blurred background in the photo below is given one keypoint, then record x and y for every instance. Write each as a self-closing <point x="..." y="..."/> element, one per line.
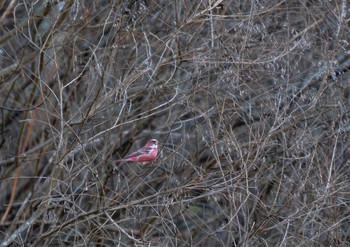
<point x="248" y="99"/>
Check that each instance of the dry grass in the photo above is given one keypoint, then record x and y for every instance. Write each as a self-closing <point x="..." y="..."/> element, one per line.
<point x="249" y="100"/>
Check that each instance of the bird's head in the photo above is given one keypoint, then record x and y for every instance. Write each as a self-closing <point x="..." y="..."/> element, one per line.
<point x="153" y="143"/>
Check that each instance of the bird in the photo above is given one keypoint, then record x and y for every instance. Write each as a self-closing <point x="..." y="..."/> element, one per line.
<point x="145" y="154"/>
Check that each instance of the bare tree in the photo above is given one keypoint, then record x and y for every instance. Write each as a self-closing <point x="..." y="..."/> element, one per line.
<point x="249" y="100"/>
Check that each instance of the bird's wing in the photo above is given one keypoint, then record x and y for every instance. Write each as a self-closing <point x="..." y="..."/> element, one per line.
<point x="139" y="152"/>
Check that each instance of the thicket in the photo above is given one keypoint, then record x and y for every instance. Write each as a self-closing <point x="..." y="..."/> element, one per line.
<point x="248" y="99"/>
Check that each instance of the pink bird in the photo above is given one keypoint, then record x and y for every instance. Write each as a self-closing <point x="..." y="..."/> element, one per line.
<point x="145" y="154"/>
